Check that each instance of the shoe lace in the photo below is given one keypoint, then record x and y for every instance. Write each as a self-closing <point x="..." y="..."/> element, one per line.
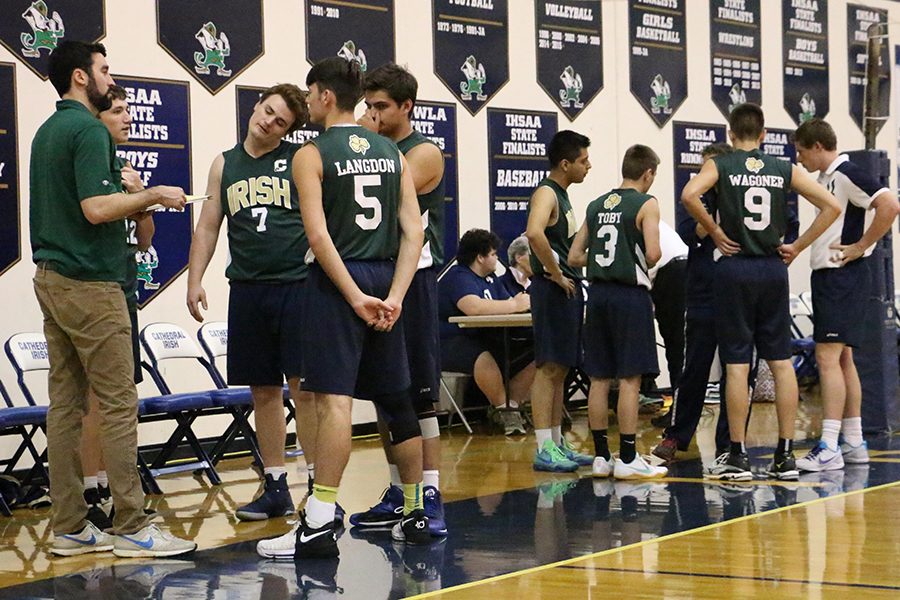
<point x="721" y="459"/>
<point x="816" y="451"/>
<point x="555" y="452"/>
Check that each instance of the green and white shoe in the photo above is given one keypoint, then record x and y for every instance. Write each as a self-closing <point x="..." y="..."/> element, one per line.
<point x="582" y="460"/>
<point x="551" y="458"/>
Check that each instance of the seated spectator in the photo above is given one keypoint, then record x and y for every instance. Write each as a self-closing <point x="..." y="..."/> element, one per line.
<point x="518" y="275"/>
<point x="471" y="288"/>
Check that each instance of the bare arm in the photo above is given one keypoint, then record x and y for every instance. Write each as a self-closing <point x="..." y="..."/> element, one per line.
<point x="144" y="230"/>
<point x="578" y="256"/>
<point x="818" y="196"/>
<point x="412" y="237"/>
<point x="690" y="198"/>
<point x="648" y="222"/>
<point x="886" y="209"/>
<point x="473" y="305"/>
<point x="113" y="207"/>
<point x="203" y="242"/>
<point x="426" y="163"/>
<point x="542" y="205"/>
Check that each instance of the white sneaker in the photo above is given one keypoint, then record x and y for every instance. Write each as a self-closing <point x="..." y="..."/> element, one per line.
<point x="637" y="469"/>
<point x="640" y="490"/>
<point x="282" y="546"/>
<point x="151" y="541"/>
<point x="821" y="458"/>
<point x="855" y="455"/>
<point x="602" y="467"/>
<point x="89" y="539"/>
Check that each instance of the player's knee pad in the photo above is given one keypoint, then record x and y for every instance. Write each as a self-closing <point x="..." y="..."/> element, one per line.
<point x="429" y="426"/>
<point x="397" y="411"/>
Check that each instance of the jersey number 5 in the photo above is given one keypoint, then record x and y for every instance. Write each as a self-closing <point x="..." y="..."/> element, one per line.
<point x="360" y="183"/>
<point x="608" y="254"/>
<point x="758" y="202"/>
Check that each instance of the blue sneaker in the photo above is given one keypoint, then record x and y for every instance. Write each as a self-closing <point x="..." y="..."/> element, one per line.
<point x="434" y="510"/>
<point x="386" y="513"/>
<point x="550" y="458"/>
<point x="582" y="460"/>
<point x="275" y="501"/>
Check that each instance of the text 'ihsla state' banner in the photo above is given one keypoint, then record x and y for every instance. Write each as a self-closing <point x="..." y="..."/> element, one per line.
<point x="214" y="41"/>
<point x="246" y="98"/>
<point x="804" y="42"/>
<point x="10" y="234"/>
<point x="859" y="19"/>
<point x="569" y="52"/>
<point x="688" y="142"/>
<point x="517" y="143"/>
<point x="735" y="53"/>
<point x="658" y="48"/>
<point x="437" y="122"/>
<point x="778" y="143"/>
<point x="362" y="30"/>
<point x="159" y="148"/>
<point x="471" y="48"/>
<point x="31" y="29"/>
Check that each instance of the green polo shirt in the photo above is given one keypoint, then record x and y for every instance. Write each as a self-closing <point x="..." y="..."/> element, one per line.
<point x="72" y="158"/>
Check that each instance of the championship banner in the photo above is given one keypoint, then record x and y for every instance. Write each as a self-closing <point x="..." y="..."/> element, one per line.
<point x="246" y="97"/>
<point x="859" y="19"/>
<point x="471" y="48"/>
<point x="32" y="29"/>
<point x="362" y="30"/>
<point x="569" y="52"/>
<point x="437" y="122"/>
<point x="657" y="39"/>
<point x="778" y="143"/>
<point x="688" y="142"/>
<point x="10" y="235"/>
<point x="736" y="53"/>
<point x="805" y="58"/>
<point x="517" y="143"/>
<point x="159" y="148"/>
<point x="214" y="41"/>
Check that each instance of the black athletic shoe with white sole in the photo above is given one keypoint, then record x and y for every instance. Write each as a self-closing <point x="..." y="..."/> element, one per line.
<point x="784" y="468"/>
<point x="412" y="528"/>
<point x="301" y="542"/>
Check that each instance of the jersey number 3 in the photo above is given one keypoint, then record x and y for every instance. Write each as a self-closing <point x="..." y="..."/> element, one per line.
<point x="758" y="202"/>
<point x="360" y="183"/>
<point x="608" y="254"/>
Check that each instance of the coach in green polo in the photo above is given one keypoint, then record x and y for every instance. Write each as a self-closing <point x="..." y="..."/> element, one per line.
<point x="78" y="241"/>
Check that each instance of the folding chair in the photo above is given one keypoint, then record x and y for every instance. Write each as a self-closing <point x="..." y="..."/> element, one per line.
<point x="455" y="379"/>
<point x="165" y="341"/>
<point x="803" y="347"/>
<point x="806" y="297"/>
<point x="213" y="337"/>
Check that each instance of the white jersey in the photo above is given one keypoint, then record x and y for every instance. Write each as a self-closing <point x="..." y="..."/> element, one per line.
<point x="855" y="191"/>
<point x="671" y="247"/>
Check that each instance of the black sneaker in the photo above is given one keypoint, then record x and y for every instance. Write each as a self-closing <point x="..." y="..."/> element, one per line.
<point x="98" y="517"/>
<point x="318" y="579"/>
<point x="275" y="501"/>
<point x="105" y="494"/>
<point x="301" y="542"/>
<point x="784" y="468"/>
<point x="412" y="528"/>
<point x="662" y="421"/>
<point x="731" y="467"/>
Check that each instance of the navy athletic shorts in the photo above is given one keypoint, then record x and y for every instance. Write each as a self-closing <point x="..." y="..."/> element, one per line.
<point x="265" y="327"/>
<point x="752" y="308"/>
<point x="619" y="338"/>
<point x="459" y="353"/>
<point x="423" y="339"/>
<point x="136" y="347"/>
<point x="342" y="354"/>
<point x="839" y="297"/>
<point x="557" y="323"/>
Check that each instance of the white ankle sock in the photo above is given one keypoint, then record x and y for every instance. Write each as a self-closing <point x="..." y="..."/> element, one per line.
<point x="90" y="482"/>
<point x="395" y="475"/>
<point x="431" y="478"/>
<point x="542" y="435"/>
<point x="102" y="479"/>
<point x="830" y="430"/>
<point x="311" y="471"/>
<point x="852" y="429"/>
<point x="275" y="472"/>
<point x="556" y="434"/>
<point x="318" y="513"/>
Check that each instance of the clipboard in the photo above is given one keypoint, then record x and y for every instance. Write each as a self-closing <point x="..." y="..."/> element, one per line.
<point x="190" y="199"/>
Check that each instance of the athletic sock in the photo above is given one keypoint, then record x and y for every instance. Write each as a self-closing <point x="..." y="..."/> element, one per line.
<point x="852" y="429"/>
<point x="311" y="471"/>
<point x="431" y="478"/>
<point x="275" y="472"/>
<point x="556" y="434"/>
<point x="412" y="497"/>
<point x="395" y="475"/>
<point x="542" y="435"/>
<point x="831" y="428"/>
<point x="601" y="443"/>
<point x="319" y="512"/>
<point x="102" y="479"/>
<point x="738" y="448"/>
<point x="785" y="446"/>
<point x="90" y="482"/>
<point x="627" y="448"/>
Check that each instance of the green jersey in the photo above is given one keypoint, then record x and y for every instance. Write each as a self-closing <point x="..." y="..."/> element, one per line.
<point x="431" y="207"/>
<point x="361" y="192"/>
<point x="560" y="234"/>
<point x="616" y="250"/>
<point x="266" y="237"/>
<point x="752" y="200"/>
<point x="72" y="159"/>
<point x="130" y="285"/>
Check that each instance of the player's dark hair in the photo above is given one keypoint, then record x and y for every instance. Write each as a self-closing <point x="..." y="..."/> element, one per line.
<point x="117" y="92"/>
<point x="398" y="82"/>
<point x="717" y="149"/>
<point x="637" y="160"/>
<point x="566" y="145"/>
<point x="295" y="98"/>
<point x="816" y="130"/>
<point x="475" y="243"/>
<point x="67" y="57"/>
<point x="747" y="121"/>
<point x="342" y="77"/>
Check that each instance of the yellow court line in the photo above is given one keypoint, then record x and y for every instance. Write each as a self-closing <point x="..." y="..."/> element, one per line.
<point x="664" y="538"/>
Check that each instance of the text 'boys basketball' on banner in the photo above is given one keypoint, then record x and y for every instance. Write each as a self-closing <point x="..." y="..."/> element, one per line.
<point x="859" y="19"/>
<point x="688" y="142"/>
<point x="517" y="143"/>
<point x="778" y="143"/>
<point x="362" y="30"/>
<point x="31" y="29"/>
<point x="10" y="234"/>
<point x="246" y="98"/>
<point x="658" y="49"/>
<point x="804" y="44"/>
<point x="569" y="52"/>
<point x="213" y="41"/>
<point x="159" y="148"/>
<point x="735" y="53"/>
<point x="437" y="122"/>
<point x="471" y="48"/>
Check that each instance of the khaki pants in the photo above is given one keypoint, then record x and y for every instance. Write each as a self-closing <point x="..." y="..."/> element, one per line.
<point x="89" y="342"/>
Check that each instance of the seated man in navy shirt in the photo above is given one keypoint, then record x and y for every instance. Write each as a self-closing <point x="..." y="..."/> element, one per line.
<point x="471" y="288"/>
